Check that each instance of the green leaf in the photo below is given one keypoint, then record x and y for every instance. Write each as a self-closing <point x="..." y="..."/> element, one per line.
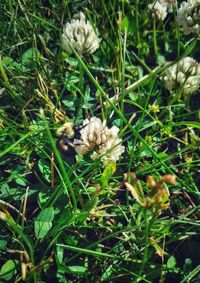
<point x="43" y="197"/>
<point x="162" y="155"/>
<point x="72" y="61"/>
<point x="187" y="267"/>
<point x="10" y="63"/>
<point x="161" y="59"/>
<point x="187" y="123"/>
<point x="107" y="173"/>
<point x="144" y="152"/>
<point x="3" y="244"/>
<point x="59" y="254"/>
<point x="125" y="24"/>
<point x="8" y="270"/>
<point x="76" y="269"/>
<point x="87" y="99"/>
<point x="107" y="273"/>
<point x="45" y="170"/>
<point x="171" y="263"/>
<point x="21" y="181"/>
<point x="29" y="57"/>
<point x="43" y="222"/>
<point x="71" y="82"/>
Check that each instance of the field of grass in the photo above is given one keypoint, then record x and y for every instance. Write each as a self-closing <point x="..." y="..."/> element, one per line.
<point x="68" y="218"/>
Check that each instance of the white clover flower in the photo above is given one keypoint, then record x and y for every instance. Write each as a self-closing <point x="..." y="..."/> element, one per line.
<point x="188" y="17"/>
<point x="184" y="74"/>
<point x="158" y="10"/>
<point x="169" y="4"/>
<point x="96" y="137"/>
<point x="79" y="35"/>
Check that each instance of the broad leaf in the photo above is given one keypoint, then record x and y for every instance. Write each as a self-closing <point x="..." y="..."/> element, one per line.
<point x="8" y="270"/>
<point x="43" y="222"/>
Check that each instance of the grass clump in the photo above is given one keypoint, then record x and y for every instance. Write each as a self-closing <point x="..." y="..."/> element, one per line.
<point x="125" y="204"/>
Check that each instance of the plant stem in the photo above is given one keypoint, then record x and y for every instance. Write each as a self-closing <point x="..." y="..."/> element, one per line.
<point x="155" y="39"/>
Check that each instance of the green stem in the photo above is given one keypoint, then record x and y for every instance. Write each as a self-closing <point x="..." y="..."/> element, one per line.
<point x="81" y="90"/>
<point x="14" y="145"/>
<point x="96" y="253"/>
<point x="137" y="25"/>
<point x="123" y="58"/>
<point x="8" y="85"/>
<point x="148" y="226"/>
<point x="18" y="230"/>
<point x="155" y="39"/>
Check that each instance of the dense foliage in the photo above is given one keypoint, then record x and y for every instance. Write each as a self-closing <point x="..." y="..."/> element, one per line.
<point x="70" y="218"/>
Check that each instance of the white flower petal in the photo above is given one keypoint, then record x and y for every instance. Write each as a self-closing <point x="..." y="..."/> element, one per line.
<point x="185" y="73"/>
<point x="104" y="142"/>
<point x="79" y="35"/>
<point x="158" y="10"/>
<point x="188" y="17"/>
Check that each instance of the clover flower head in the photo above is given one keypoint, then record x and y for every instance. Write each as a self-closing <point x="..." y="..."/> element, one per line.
<point x="188" y="17"/>
<point x="158" y="10"/>
<point x="97" y="137"/>
<point x="185" y="74"/>
<point x="80" y="36"/>
<point x="169" y="4"/>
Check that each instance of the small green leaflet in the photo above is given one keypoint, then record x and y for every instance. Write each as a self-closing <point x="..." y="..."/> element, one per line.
<point x="43" y="222"/>
<point x="8" y="270"/>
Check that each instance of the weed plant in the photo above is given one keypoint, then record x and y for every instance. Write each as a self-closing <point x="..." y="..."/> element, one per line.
<point x="66" y="217"/>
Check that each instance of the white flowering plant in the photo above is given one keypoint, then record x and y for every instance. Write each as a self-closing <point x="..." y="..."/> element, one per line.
<point x="79" y="35"/>
<point x="188" y="17"/>
<point x="99" y="141"/>
<point x="97" y="138"/>
<point x="184" y="75"/>
<point x="160" y="8"/>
